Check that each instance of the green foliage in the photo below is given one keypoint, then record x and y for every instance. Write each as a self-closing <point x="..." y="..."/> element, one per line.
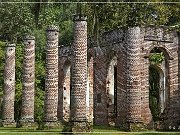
<point x="154" y="88"/>
<point x="2" y="47"/>
<point x="19" y="69"/>
<point x="108" y="16"/>
<point x="40" y="74"/>
<point x="157" y="58"/>
<point x="38" y="105"/>
<point x="16" y="20"/>
<point x="2" y="56"/>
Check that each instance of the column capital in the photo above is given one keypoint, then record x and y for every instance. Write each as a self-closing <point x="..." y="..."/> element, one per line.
<point x="29" y="37"/>
<point x="79" y="17"/>
<point x="52" y="28"/>
<point x="11" y="45"/>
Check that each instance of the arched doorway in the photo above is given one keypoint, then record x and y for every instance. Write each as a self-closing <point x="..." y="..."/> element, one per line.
<point x="112" y="91"/>
<point x="89" y="92"/>
<point x="158" y="85"/>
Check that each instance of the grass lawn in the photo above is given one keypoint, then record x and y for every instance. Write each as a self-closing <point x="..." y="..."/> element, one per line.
<point x="96" y="131"/>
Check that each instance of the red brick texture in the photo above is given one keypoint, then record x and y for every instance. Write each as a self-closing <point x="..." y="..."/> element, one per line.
<point x="51" y="80"/>
<point x="27" y="114"/>
<point x="132" y="48"/>
<point x="9" y="87"/>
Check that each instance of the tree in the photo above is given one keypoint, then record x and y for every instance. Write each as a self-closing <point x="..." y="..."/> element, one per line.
<point x="116" y="15"/>
<point x="19" y="19"/>
<point x="2" y="55"/>
<point x="15" y="20"/>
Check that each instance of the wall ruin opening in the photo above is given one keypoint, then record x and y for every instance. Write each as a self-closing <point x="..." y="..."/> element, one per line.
<point x="112" y="90"/>
<point x="158" y="86"/>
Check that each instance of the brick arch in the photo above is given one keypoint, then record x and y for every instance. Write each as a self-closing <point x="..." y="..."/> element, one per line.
<point x="90" y="91"/>
<point x="90" y="56"/>
<point x="164" y="49"/>
<point x="167" y="64"/>
<point x="111" y="89"/>
<point x="111" y="55"/>
<point x="171" y="84"/>
<point x="163" y="87"/>
<point x="110" y="72"/>
<point x="67" y="63"/>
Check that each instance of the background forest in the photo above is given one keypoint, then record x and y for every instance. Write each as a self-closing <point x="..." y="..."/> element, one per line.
<point x="19" y="19"/>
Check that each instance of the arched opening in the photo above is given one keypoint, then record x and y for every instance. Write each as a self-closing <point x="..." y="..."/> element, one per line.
<point x="89" y="92"/>
<point x="112" y="90"/>
<point x="158" y="85"/>
<point x="66" y="91"/>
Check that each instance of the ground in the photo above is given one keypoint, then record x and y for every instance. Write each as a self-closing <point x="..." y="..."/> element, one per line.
<point x="97" y="130"/>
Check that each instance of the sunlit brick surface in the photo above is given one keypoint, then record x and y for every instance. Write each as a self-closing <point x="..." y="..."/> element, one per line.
<point x="51" y="80"/>
<point x="27" y="114"/>
<point x="79" y="71"/>
<point x="9" y="85"/>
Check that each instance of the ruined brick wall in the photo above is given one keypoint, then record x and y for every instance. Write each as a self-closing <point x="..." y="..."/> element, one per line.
<point x="121" y="88"/>
<point x="90" y="84"/>
<point x="111" y="46"/>
<point x="100" y="95"/>
<point x="145" y="110"/>
<point x="132" y="49"/>
<point x="64" y="83"/>
<point x="147" y="39"/>
<point x="167" y="41"/>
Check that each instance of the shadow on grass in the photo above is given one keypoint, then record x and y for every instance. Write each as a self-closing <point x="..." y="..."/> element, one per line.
<point x="108" y="128"/>
<point x="9" y="129"/>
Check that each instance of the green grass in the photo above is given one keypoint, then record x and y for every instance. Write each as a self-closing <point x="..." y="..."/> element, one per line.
<point x="116" y="131"/>
<point x="96" y="131"/>
<point x="25" y="131"/>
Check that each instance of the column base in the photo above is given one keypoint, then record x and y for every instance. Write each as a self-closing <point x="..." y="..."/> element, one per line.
<point x="52" y="125"/>
<point x="78" y="126"/>
<point x="27" y="124"/>
<point x="139" y="126"/>
<point x="8" y="123"/>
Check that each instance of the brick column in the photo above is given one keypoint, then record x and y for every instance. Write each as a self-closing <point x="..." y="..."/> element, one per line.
<point x="9" y="87"/>
<point x="133" y="76"/>
<point x="51" y="80"/>
<point x="27" y="113"/>
<point x="79" y="75"/>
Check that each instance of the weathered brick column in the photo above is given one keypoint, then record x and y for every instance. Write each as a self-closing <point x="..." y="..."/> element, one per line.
<point x="79" y="76"/>
<point x="133" y="77"/>
<point x="51" y="80"/>
<point x="28" y="91"/>
<point x="9" y="87"/>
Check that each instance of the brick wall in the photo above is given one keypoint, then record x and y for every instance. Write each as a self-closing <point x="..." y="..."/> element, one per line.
<point x="132" y="105"/>
<point x="167" y="42"/>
